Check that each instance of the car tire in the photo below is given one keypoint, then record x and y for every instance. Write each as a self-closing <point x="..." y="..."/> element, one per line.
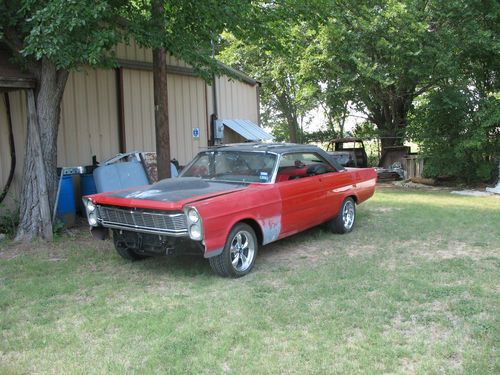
<point x="344" y="221"/>
<point x="238" y="256"/>
<point x="126" y="252"/>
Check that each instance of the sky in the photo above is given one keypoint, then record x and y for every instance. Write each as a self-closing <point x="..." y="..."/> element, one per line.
<point x="316" y="120"/>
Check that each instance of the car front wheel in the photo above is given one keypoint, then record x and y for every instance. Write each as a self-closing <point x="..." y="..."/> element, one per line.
<point x="344" y="221"/>
<point x="124" y="251"/>
<point x="239" y="253"/>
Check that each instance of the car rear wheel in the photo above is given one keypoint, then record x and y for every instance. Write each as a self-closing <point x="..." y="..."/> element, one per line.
<point x="344" y="221"/>
<point x="239" y="253"/>
<point x="124" y="251"/>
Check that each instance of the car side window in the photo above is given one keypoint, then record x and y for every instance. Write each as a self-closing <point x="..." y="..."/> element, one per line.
<point x="300" y="165"/>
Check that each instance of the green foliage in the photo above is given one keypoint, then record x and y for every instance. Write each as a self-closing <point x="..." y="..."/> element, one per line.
<point x="70" y="33"/>
<point x="458" y="134"/>
<point x="272" y="52"/>
<point x="58" y="227"/>
<point x="9" y="220"/>
<point x="366" y="130"/>
<point x="188" y="29"/>
<point x="321" y="136"/>
<point x="378" y="56"/>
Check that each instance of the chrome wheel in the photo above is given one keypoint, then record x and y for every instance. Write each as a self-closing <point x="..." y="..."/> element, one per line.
<point x="348" y="214"/>
<point x="344" y="221"/>
<point x="242" y="250"/>
<point x="239" y="253"/>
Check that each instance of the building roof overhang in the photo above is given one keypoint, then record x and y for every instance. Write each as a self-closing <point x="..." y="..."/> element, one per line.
<point x="11" y="75"/>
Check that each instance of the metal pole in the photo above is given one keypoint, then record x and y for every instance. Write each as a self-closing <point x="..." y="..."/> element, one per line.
<point x="57" y="196"/>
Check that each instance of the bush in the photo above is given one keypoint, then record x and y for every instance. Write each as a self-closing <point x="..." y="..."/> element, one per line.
<point x="458" y="134"/>
<point x="9" y="220"/>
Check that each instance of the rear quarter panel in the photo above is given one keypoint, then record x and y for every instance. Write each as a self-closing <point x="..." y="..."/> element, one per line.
<point x="365" y="181"/>
<point x="352" y="182"/>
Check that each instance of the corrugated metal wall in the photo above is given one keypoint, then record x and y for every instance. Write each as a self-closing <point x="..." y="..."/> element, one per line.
<point x="133" y="52"/>
<point x="89" y="118"/>
<point x="236" y="100"/>
<point x="187" y="110"/>
<point x="89" y="114"/>
<point x="139" y="110"/>
<point x="89" y="125"/>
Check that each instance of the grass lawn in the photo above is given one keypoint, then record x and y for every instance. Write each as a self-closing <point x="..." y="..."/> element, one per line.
<point x="413" y="289"/>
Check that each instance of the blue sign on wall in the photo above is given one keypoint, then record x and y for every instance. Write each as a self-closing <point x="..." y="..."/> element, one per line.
<point x="196" y="132"/>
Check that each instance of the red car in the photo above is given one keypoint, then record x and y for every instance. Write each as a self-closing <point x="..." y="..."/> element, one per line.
<point x="229" y="201"/>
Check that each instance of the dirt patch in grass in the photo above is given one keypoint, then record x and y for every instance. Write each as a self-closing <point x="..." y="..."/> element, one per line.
<point x="449" y="250"/>
<point x="384" y="210"/>
<point x="431" y="335"/>
<point x="361" y="250"/>
<point x="291" y="253"/>
<point x="295" y="252"/>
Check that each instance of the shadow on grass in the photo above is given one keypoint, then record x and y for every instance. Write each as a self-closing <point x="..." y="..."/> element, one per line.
<point x="184" y="265"/>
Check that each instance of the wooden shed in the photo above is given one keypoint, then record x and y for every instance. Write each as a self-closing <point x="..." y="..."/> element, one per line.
<point x="107" y="111"/>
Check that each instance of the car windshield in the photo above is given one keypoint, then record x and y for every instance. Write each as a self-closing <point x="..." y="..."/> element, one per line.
<point x="232" y="166"/>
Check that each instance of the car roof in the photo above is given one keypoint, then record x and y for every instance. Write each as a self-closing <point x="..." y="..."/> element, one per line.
<point x="278" y="148"/>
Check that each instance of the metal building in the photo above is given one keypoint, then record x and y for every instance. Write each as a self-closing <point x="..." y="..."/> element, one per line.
<point x="105" y="112"/>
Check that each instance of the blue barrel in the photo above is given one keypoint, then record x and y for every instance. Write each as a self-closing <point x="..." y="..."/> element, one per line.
<point x="66" y="209"/>
<point x="87" y="184"/>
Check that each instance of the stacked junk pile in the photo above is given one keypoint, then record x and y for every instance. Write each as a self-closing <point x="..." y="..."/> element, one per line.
<point x="120" y="172"/>
<point x="396" y="163"/>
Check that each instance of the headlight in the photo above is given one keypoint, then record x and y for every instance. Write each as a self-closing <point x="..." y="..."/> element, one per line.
<point x="90" y="206"/>
<point x="91" y="209"/>
<point x="194" y="223"/>
<point x="195" y="232"/>
<point x="193" y="215"/>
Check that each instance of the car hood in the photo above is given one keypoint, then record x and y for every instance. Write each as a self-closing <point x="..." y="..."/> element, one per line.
<point x="185" y="189"/>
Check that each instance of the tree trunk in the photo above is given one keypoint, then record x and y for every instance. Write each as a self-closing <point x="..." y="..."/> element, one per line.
<point x="286" y="108"/>
<point x="292" y="130"/>
<point x="48" y="106"/>
<point x="390" y="119"/>
<point x="35" y="211"/>
<point x="343" y="119"/>
<point x="161" y="100"/>
<point x="39" y="182"/>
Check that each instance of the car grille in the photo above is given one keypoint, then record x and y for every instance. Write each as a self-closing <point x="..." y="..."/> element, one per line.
<point x="152" y="222"/>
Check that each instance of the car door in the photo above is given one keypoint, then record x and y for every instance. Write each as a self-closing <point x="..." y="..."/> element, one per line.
<point x="303" y="197"/>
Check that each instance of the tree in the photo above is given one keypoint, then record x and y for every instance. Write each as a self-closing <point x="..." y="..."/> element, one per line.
<point x="388" y="53"/>
<point x="385" y="52"/>
<point x="457" y="123"/>
<point x="271" y="51"/>
<point x="458" y="133"/>
<point x="187" y="30"/>
<point x="50" y="38"/>
<point x="160" y="94"/>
